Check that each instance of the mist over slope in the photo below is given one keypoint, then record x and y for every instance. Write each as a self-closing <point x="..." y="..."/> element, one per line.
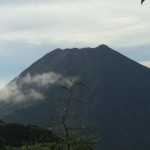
<point x="119" y="100"/>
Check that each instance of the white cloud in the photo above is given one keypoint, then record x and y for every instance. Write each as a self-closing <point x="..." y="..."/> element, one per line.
<point x="15" y="92"/>
<point x="145" y="63"/>
<point x="67" y="21"/>
<point x="41" y="79"/>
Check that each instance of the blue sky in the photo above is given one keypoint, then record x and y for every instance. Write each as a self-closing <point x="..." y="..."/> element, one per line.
<point x="31" y="28"/>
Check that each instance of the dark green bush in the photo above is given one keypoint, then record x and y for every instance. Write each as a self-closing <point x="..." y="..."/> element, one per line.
<point x="16" y="135"/>
<point x="2" y="143"/>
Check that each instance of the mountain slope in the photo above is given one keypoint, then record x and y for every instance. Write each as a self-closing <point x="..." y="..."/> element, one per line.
<point x="119" y="101"/>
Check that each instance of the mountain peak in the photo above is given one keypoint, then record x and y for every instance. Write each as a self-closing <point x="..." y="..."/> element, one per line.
<point x="103" y="46"/>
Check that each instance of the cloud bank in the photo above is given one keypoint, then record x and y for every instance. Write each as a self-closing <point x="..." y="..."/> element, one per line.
<point x="40" y="79"/>
<point x="82" y="21"/>
<point x="13" y="93"/>
<point x="27" y="87"/>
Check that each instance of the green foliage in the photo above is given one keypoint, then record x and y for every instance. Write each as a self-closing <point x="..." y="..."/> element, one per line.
<point x="37" y="146"/>
<point x="2" y="143"/>
<point x="16" y="135"/>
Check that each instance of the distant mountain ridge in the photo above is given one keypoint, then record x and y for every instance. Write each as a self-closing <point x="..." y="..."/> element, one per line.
<point x="119" y="101"/>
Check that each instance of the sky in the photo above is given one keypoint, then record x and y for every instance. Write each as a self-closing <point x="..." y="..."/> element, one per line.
<point x="31" y="28"/>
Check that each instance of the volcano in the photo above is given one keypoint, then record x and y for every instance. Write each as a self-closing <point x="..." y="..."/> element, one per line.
<point x="119" y="100"/>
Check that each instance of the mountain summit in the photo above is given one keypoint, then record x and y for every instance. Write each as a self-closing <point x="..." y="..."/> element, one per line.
<point x="119" y="104"/>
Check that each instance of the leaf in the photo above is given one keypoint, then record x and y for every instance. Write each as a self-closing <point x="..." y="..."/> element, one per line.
<point x="142" y="1"/>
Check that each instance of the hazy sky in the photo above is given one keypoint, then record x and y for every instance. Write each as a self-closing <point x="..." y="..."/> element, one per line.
<point x="31" y="28"/>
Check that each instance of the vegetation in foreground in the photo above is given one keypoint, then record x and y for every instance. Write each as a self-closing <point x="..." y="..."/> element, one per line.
<point x="15" y="136"/>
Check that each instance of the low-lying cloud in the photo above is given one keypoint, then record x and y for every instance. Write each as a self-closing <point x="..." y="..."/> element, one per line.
<point x="27" y="87"/>
<point x="14" y="93"/>
<point x="41" y="79"/>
